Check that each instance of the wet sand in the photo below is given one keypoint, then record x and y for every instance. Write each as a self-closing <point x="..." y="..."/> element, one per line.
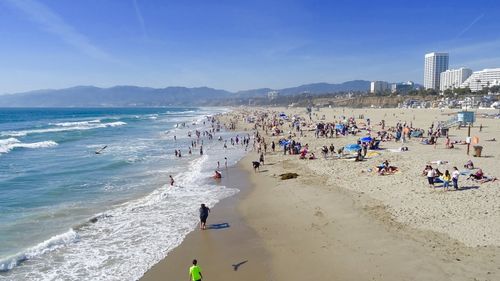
<point x="218" y="249"/>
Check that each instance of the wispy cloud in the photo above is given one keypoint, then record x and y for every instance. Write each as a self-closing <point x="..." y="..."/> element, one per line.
<point x="469" y="26"/>
<point x="55" y="24"/>
<point x="140" y="18"/>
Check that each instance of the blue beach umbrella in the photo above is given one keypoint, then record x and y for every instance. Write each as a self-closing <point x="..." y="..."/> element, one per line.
<point x="366" y="139"/>
<point x="352" y="147"/>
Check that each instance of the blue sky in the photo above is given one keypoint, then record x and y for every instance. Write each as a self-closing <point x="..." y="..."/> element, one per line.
<point x="237" y="45"/>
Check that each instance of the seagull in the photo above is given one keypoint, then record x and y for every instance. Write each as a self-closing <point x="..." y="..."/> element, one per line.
<point x="100" y="150"/>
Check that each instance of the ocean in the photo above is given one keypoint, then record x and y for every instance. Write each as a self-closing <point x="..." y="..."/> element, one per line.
<point x="67" y="213"/>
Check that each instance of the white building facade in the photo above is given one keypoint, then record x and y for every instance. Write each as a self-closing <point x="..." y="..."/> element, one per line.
<point x="379" y="87"/>
<point x="435" y="63"/>
<point x="453" y="78"/>
<point x="482" y="79"/>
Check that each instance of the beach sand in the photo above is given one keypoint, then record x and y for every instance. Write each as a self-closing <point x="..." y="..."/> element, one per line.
<point x="340" y="221"/>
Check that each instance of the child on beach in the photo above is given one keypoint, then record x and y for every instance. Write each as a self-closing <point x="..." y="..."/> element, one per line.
<point x="195" y="272"/>
<point x="446" y="180"/>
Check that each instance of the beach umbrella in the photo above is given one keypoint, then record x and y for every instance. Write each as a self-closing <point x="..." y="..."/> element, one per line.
<point x="366" y="139"/>
<point x="352" y="147"/>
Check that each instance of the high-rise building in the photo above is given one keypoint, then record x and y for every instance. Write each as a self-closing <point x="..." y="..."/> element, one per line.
<point x="379" y="87"/>
<point x="482" y="79"/>
<point x="453" y="78"/>
<point x="435" y="63"/>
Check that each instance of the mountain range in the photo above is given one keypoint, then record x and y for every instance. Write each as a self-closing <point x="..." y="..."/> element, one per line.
<point x="90" y="96"/>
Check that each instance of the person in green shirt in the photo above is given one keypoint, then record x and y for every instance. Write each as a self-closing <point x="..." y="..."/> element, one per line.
<point x="195" y="272"/>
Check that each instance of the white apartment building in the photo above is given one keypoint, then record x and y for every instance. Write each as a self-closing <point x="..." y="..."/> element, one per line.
<point x="453" y="78"/>
<point x="378" y="87"/>
<point x="481" y="79"/>
<point x="435" y="63"/>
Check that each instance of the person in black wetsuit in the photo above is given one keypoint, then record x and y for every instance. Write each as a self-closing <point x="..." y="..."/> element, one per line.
<point x="204" y="210"/>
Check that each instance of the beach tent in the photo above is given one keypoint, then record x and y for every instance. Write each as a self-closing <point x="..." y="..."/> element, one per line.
<point x="366" y="139"/>
<point x="354" y="147"/>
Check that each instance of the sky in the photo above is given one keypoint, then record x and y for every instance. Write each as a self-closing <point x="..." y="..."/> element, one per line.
<point x="237" y="45"/>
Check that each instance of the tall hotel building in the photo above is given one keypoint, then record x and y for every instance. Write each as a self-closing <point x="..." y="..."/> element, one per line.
<point x="453" y="78"/>
<point x="435" y="63"/>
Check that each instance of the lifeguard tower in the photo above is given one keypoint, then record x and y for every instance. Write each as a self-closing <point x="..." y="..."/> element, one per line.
<point x="463" y="118"/>
<point x="466" y="117"/>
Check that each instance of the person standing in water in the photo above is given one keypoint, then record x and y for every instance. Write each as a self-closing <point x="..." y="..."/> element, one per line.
<point x="201" y="149"/>
<point x="195" y="272"/>
<point x="225" y="162"/>
<point x="171" y="180"/>
<point x="204" y="210"/>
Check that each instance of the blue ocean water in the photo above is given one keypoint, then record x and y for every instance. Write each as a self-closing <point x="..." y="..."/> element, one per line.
<point x="67" y="213"/>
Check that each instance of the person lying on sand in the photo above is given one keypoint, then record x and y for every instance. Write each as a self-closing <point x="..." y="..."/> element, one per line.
<point x="487" y="179"/>
<point x="439" y="162"/>
<point x="477" y="176"/>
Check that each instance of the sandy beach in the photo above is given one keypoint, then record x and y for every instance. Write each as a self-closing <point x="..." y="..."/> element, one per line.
<point x="342" y="220"/>
<point x="228" y="242"/>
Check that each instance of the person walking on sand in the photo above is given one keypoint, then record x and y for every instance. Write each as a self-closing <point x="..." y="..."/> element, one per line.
<point x="454" y="177"/>
<point x="171" y="180"/>
<point x="195" y="272"/>
<point x="204" y="210"/>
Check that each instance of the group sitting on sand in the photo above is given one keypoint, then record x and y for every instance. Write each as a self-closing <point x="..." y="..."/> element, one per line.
<point x="386" y="169"/>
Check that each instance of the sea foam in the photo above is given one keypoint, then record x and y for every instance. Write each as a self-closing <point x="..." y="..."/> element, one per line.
<point x="6" y="145"/>
<point x="62" y="127"/>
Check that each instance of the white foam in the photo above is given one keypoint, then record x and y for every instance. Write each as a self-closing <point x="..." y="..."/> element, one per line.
<point x="7" y="145"/>
<point x="66" y="127"/>
<point x="77" y="123"/>
<point x="128" y="239"/>
<point x="49" y="245"/>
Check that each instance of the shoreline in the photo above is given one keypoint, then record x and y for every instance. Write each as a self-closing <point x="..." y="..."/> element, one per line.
<point x="217" y="250"/>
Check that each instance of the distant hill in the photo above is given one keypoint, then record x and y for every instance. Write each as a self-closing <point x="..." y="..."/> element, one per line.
<point x="125" y="96"/>
<point x="324" y="88"/>
<point x="88" y="96"/>
<point x="314" y="88"/>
